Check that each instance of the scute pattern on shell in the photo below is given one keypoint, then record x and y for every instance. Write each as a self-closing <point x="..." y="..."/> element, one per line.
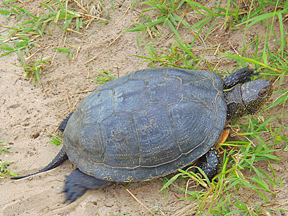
<point x="146" y="124"/>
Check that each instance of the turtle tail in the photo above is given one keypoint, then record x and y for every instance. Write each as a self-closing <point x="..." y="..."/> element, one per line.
<point x="57" y="161"/>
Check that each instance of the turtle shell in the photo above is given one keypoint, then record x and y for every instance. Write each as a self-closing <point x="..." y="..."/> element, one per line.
<point x="146" y="124"/>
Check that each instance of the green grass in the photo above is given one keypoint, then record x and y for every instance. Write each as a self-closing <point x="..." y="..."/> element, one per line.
<point x="65" y="50"/>
<point x="4" y="171"/>
<point x="25" y="37"/>
<point x="33" y="70"/>
<point x="56" y="140"/>
<point x="167" y="14"/>
<point x="239" y="156"/>
<point x="104" y="77"/>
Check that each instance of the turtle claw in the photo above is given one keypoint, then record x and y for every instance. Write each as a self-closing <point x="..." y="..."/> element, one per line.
<point x="77" y="183"/>
<point x="73" y="194"/>
<point x="73" y="187"/>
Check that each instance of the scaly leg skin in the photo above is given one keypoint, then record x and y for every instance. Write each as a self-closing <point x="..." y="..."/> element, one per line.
<point x="240" y="76"/>
<point x="77" y="183"/>
<point x="211" y="163"/>
<point x="63" y="124"/>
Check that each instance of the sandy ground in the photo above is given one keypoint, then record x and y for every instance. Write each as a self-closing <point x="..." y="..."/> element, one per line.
<point x="26" y="111"/>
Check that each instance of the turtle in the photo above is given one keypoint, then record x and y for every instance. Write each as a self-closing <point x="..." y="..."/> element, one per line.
<point x="152" y="122"/>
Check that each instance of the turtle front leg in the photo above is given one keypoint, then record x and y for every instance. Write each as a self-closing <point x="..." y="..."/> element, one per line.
<point x="209" y="166"/>
<point x="240" y="76"/>
<point x="77" y="183"/>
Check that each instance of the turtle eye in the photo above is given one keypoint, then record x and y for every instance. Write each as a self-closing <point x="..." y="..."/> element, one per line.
<point x="263" y="92"/>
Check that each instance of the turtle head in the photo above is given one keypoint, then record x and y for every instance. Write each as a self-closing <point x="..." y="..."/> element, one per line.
<point x="247" y="98"/>
<point x="255" y="94"/>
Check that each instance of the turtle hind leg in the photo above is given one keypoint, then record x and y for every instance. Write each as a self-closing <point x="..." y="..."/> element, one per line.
<point x="210" y="164"/>
<point x="63" y="124"/>
<point x="77" y="183"/>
